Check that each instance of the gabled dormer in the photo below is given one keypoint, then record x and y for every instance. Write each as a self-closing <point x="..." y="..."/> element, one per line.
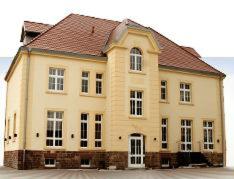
<point x="30" y="30"/>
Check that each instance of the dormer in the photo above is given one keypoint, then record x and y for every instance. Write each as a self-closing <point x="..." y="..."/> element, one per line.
<point x="30" y="30"/>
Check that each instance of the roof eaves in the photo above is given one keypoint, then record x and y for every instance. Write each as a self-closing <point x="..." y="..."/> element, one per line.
<point x="192" y="71"/>
<point x="70" y="54"/>
<point x="13" y="62"/>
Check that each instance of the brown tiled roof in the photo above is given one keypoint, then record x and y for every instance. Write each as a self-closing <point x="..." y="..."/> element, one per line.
<point x="174" y="55"/>
<point x="192" y="51"/>
<point x="36" y="27"/>
<point x="74" y="34"/>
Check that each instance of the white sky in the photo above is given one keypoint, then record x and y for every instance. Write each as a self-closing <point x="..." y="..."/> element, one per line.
<point x="206" y="25"/>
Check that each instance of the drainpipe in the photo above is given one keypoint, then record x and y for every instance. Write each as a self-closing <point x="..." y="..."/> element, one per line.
<point x="26" y="106"/>
<point x="223" y="120"/>
<point x="5" y="120"/>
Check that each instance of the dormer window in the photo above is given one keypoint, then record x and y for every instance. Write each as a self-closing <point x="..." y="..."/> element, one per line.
<point x="135" y="59"/>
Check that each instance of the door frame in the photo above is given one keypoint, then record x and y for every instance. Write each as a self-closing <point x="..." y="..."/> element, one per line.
<point x="142" y="155"/>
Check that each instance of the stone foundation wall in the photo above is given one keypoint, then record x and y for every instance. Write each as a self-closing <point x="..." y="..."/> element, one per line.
<point x="99" y="159"/>
<point x="215" y="159"/>
<point x="13" y="159"/>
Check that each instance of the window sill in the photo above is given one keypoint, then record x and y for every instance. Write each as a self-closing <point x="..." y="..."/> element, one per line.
<point x="164" y="101"/>
<point x="51" y="167"/>
<point x="94" y="96"/>
<point x="137" y="117"/>
<point x="165" y="151"/>
<point x="83" y="148"/>
<point x="208" y="150"/>
<point x="56" y="92"/>
<point x="136" y="72"/>
<point x="186" y="103"/>
<point x="54" y="148"/>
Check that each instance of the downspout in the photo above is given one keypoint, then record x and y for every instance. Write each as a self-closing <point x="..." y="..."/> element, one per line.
<point x="222" y="120"/>
<point x="26" y="106"/>
<point x="5" y="120"/>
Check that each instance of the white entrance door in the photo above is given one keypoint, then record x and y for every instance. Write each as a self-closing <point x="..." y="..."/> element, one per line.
<point x="136" y="153"/>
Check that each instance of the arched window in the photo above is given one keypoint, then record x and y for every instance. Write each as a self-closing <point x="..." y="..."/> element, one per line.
<point x="135" y="59"/>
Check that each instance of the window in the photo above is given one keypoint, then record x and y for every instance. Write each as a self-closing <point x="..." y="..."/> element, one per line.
<point x="136" y="103"/>
<point x="49" y="162"/>
<point x="98" y="83"/>
<point x="208" y="135"/>
<point x="98" y="130"/>
<point x="135" y="59"/>
<point x="164" y="133"/>
<point x="56" y="79"/>
<point x="163" y="90"/>
<point x="186" y="135"/>
<point x="8" y="128"/>
<point x="54" y="129"/>
<point x="185" y="94"/>
<point x="85" y="82"/>
<point x="85" y="163"/>
<point x="84" y="130"/>
<point x="165" y="163"/>
<point x="14" y="126"/>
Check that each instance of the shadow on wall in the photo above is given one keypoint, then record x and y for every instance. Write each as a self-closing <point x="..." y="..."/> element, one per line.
<point x="4" y="65"/>
<point x="226" y="65"/>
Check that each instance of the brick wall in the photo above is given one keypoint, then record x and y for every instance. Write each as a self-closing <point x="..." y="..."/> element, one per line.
<point x="99" y="159"/>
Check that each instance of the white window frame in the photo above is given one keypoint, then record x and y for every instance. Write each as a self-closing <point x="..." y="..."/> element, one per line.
<point x="163" y="87"/>
<point x="185" y="91"/>
<point x="98" y="122"/>
<point x="8" y="128"/>
<point x="14" y="125"/>
<point x="50" y="165"/>
<point x="135" y="100"/>
<point x="87" y="131"/>
<point x="99" y="81"/>
<point x="186" y="127"/>
<point x="54" y="120"/>
<point x="85" y="78"/>
<point x="137" y="66"/>
<point x="164" y="126"/>
<point x="56" y="78"/>
<point x="207" y="128"/>
<point x="85" y="166"/>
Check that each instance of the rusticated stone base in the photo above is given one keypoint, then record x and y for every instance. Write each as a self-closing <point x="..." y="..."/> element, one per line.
<point x="13" y="159"/>
<point x="98" y="159"/>
<point x="215" y="159"/>
<point x="118" y="159"/>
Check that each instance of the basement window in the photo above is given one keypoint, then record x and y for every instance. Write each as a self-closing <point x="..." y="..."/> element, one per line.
<point x="85" y="163"/>
<point x="49" y="162"/>
<point x="165" y="163"/>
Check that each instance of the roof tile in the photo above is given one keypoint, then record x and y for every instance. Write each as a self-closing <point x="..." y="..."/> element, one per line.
<point x="74" y="34"/>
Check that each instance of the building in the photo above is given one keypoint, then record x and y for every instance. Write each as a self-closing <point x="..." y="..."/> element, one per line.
<point x="95" y="93"/>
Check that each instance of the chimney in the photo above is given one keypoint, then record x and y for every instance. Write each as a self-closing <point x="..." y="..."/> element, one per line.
<point x="92" y="29"/>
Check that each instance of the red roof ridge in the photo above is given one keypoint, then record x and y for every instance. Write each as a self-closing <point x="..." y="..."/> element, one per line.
<point x="96" y="18"/>
<point x="48" y="29"/>
<point x="38" y="23"/>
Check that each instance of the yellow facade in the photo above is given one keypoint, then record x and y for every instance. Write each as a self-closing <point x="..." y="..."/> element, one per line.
<point x="113" y="104"/>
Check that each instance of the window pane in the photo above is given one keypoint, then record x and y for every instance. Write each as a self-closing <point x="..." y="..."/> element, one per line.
<point x="50" y="125"/>
<point x="98" y="144"/>
<point x="85" y="74"/>
<point x="83" y="143"/>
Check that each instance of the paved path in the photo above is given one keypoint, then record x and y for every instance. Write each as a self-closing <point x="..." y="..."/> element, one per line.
<point x="207" y="173"/>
